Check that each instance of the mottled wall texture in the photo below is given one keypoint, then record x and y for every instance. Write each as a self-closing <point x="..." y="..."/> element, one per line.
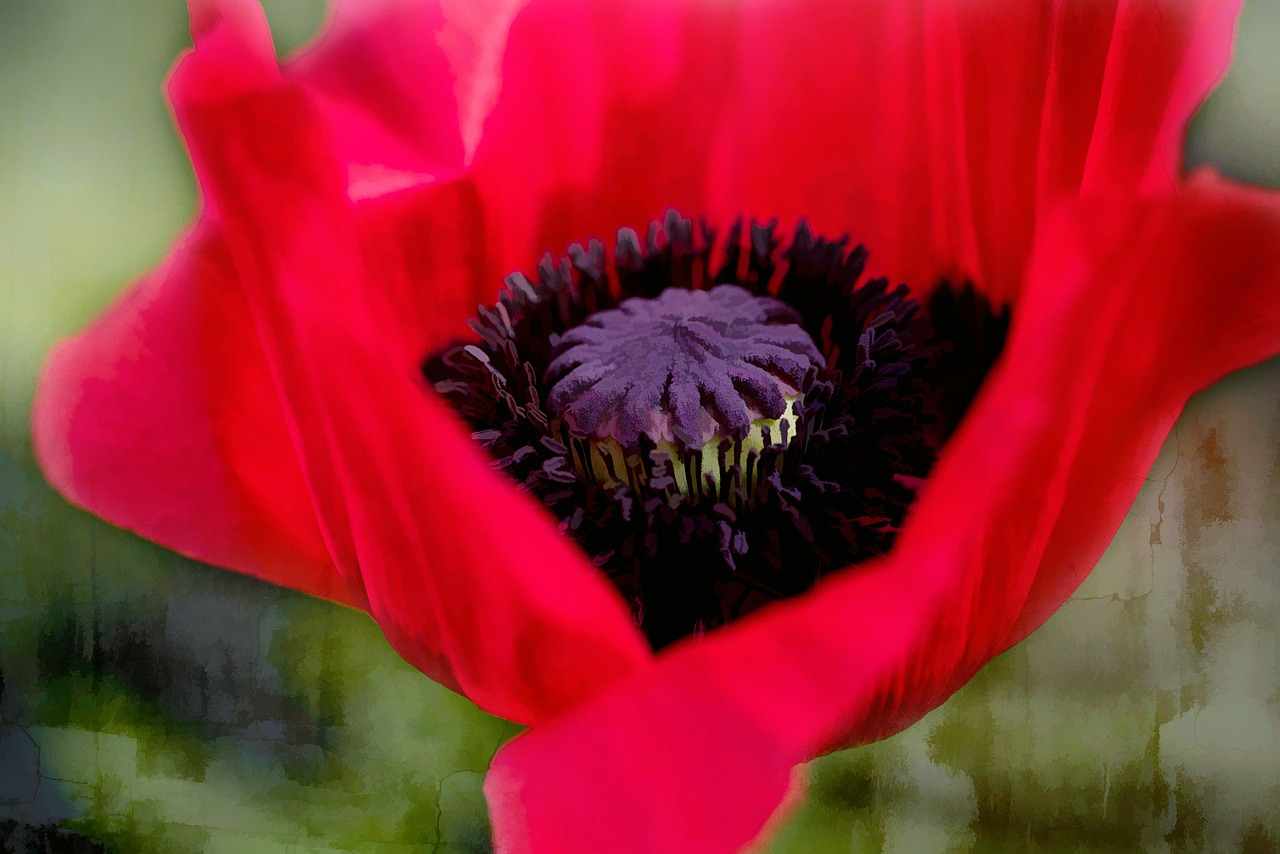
<point x="151" y="704"/>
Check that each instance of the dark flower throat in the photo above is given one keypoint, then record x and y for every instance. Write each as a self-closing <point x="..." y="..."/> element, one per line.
<point x="719" y="436"/>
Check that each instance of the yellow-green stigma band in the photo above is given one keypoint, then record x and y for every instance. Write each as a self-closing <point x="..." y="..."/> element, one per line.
<point x="720" y="465"/>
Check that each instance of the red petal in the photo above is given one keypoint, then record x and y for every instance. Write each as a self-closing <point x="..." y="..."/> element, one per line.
<point x="609" y="115"/>
<point x="469" y="580"/>
<point x="935" y="132"/>
<point x="938" y="133"/>
<point x="405" y="88"/>
<point x="259" y="406"/>
<point x="1124" y="315"/>
<point x="236" y="31"/>
<point x="160" y="417"/>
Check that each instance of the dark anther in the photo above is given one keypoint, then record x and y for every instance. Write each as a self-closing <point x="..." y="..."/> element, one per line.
<point x="972" y="332"/>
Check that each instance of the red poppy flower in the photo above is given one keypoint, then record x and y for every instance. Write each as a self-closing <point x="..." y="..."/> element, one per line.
<point x="256" y="401"/>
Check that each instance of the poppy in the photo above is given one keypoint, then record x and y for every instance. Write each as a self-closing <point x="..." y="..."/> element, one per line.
<point x="259" y="401"/>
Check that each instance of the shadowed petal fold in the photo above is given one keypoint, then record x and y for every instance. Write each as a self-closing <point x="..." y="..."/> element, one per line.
<point x="1127" y="310"/>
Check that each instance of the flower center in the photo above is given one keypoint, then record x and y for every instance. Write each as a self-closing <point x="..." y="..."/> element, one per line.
<point x="689" y="370"/>
<point x="718" y="434"/>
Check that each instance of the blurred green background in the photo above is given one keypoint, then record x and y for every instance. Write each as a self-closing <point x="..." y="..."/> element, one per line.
<point x="148" y="703"/>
